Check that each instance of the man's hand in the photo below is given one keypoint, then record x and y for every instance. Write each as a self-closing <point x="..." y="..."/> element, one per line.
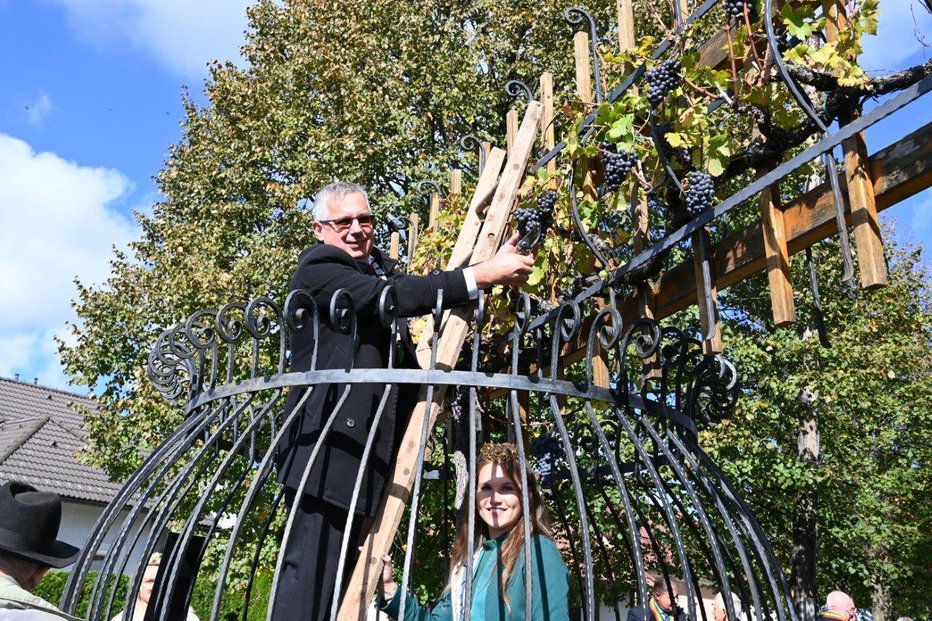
<point x="507" y="267"/>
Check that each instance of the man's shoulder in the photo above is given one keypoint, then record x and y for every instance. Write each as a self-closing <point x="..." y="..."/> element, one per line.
<point x="319" y="253"/>
<point x="636" y="614"/>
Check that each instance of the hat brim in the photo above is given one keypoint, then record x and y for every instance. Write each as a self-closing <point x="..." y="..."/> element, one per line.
<point x="61" y="554"/>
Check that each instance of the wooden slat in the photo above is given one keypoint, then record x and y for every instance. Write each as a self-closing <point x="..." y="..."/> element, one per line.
<point x="511" y="128"/>
<point x="412" y="233"/>
<point x="456" y="182"/>
<point x="898" y="172"/>
<point x="871" y="263"/>
<point x="434" y="212"/>
<point x="466" y="240"/>
<point x="366" y="573"/>
<point x="778" y="258"/>
<point x="547" y="131"/>
<point x="625" y="12"/>
<point x="394" y="244"/>
<point x="583" y="67"/>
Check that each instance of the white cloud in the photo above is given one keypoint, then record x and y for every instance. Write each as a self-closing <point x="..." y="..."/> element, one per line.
<point x="184" y="35"/>
<point x="897" y="44"/>
<point x="38" y="110"/>
<point x="58" y="223"/>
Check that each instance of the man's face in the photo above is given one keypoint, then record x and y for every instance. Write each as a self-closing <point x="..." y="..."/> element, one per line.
<point x="148" y="582"/>
<point x="344" y="230"/>
<point x="666" y="600"/>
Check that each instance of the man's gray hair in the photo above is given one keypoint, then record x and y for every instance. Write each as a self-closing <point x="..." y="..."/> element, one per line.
<point x="338" y="190"/>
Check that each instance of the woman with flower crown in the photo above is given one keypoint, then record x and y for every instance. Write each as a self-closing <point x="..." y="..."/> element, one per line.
<point x="498" y="554"/>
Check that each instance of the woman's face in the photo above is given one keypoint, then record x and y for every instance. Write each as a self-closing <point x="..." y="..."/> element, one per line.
<point x="498" y="499"/>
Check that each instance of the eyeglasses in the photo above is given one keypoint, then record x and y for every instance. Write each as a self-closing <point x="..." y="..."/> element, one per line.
<point x="366" y="221"/>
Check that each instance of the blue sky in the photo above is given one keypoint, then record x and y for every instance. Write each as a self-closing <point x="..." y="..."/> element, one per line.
<point x="90" y="100"/>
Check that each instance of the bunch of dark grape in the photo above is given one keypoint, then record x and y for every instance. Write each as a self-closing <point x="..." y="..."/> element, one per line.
<point x="699" y="192"/>
<point x="545" y="205"/>
<point x="617" y="166"/>
<point x="661" y="80"/>
<point x="547" y="452"/>
<point x="735" y="8"/>
<point x="540" y="216"/>
<point x="526" y="218"/>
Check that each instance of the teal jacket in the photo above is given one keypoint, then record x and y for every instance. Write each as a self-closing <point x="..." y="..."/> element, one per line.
<point x="549" y="595"/>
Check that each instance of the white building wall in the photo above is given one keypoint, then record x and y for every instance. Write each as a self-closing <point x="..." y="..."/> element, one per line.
<point x="77" y="523"/>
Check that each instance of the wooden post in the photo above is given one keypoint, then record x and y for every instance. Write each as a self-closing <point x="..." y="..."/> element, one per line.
<point x="511" y="129"/>
<point x="393" y="248"/>
<point x="456" y="182"/>
<point x="625" y="11"/>
<point x="778" y="257"/>
<point x="412" y="235"/>
<point x="434" y="210"/>
<point x="773" y="230"/>
<point x="548" y="141"/>
<point x="863" y="204"/>
<point x="369" y="566"/>
<point x="583" y="67"/>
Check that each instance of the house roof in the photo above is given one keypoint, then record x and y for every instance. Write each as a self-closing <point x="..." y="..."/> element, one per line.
<point x="40" y="437"/>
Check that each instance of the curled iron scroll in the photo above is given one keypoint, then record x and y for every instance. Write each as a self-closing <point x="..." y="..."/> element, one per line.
<point x="228" y="327"/>
<point x="343" y="312"/>
<point x="522" y="314"/>
<point x="605" y="332"/>
<point x="199" y="332"/>
<point x="428" y="183"/>
<point x="517" y="88"/>
<point x="472" y="142"/>
<point x="575" y="16"/>
<point x="388" y="306"/>
<point x="257" y="324"/>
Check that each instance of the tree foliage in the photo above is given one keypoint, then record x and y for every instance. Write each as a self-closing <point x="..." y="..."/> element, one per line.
<point x="381" y="93"/>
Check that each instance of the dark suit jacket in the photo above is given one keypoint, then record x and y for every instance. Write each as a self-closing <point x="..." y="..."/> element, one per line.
<point x="322" y="270"/>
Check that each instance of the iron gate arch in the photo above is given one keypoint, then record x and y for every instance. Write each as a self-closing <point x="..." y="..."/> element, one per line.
<point x="631" y="448"/>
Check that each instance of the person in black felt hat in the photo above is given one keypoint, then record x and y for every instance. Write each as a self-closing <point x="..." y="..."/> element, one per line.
<point x="29" y="547"/>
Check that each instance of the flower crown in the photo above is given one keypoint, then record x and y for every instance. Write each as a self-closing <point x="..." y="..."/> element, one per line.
<point x="498" y="452"/>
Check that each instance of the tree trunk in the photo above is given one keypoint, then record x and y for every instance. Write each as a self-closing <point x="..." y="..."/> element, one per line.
<point x="880" y="602"/>
<point x="803" y="576"/>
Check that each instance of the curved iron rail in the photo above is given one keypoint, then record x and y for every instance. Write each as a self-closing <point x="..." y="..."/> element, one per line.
<point x="674" y="514"/>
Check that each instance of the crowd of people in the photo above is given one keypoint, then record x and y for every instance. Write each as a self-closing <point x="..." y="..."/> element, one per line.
<point x="320" y="493"/>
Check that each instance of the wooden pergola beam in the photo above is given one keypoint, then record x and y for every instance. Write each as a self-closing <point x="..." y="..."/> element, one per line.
<point x="898" y="172"/>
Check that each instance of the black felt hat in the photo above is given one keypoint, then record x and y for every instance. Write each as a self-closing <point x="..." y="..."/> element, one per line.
<point x="29" y="521"/>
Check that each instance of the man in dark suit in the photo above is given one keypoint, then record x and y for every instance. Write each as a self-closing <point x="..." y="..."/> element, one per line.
<point x="347" y="259"/>
<point x="661" y="606"/>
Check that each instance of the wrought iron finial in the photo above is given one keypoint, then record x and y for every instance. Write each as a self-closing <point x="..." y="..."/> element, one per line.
<point x="575" y="16"/>
<point x="472" y="142"/>
<point x="517" y="88"/>
<point x="427" y="183"/>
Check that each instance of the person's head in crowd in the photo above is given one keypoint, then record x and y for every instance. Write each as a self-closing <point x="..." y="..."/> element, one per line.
<point x="499" y="511"/>
<point x="665" y="595"/>
<point x="841" y="603"/>
<point x="342" y="218"/>
<point x="720" y="612"/>
<point x="148" y="578"/>
<point x="29" y="545"/>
